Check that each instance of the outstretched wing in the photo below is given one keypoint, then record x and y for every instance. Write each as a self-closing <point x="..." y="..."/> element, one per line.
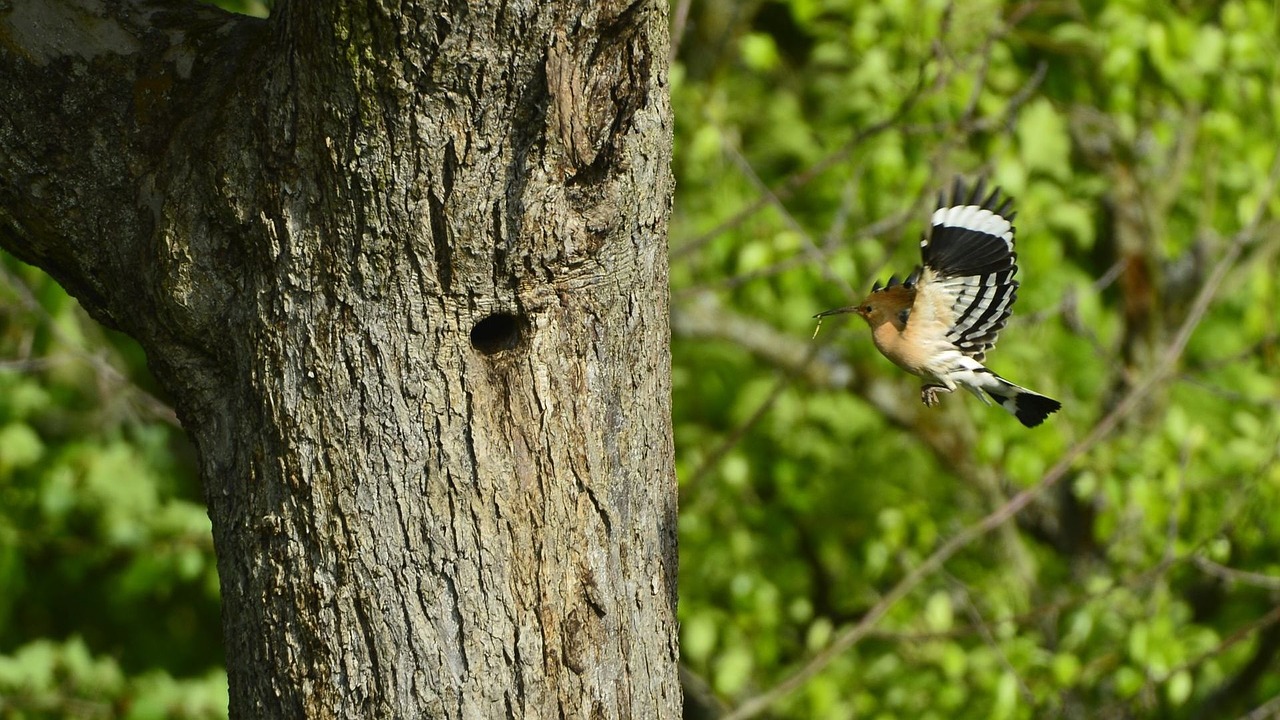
<point x="967" y="282"/>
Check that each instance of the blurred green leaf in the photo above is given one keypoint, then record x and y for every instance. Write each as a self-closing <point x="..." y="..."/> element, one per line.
<point x="20" y="447"/>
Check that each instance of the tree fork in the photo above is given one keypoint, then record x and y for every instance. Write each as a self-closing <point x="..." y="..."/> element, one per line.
<point x="402" y="268"/>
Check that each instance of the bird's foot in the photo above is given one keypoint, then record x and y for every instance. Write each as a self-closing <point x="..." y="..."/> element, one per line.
<point x="929" y="394"/>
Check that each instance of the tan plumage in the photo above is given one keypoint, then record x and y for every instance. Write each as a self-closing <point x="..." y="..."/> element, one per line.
<point x="939" y="323"/>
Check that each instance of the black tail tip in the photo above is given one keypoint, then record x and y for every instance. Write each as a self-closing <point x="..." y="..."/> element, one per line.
<point x="1033" y="409"/>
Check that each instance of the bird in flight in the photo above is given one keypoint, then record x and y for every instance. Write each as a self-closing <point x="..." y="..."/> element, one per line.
<point x="940" y="322"/>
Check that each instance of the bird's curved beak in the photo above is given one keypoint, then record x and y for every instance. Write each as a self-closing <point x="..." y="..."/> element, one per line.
<point x="838" y="311"/>
<point x="855" y="309"/>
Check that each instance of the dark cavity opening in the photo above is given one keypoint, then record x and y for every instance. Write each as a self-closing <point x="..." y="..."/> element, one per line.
<point x="498" y="332"/>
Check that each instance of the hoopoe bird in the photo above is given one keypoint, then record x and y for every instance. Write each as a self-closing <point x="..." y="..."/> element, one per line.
<point x="940" y="322"/>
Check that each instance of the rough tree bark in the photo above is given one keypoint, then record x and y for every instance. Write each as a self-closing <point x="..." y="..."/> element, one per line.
<point x="402" y="267"/>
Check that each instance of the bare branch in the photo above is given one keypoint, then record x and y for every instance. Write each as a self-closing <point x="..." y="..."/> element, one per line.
<point x="1266" y="710"/>
<point x="1234" y="576"/>
<point x="679" y="18"/>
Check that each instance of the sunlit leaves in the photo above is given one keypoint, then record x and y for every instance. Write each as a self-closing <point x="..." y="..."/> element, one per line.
<point x="51" y="680"/>
<point x="102" y="537"/>
<point x="1137" y="138"/>
<point x="1043" y="141"/>
<point x="20" y="447"/>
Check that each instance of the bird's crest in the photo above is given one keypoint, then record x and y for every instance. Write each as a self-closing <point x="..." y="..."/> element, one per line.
<point x="909" y="283"/>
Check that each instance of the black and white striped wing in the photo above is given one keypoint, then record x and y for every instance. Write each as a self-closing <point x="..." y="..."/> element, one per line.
<point x="969" y="264"/>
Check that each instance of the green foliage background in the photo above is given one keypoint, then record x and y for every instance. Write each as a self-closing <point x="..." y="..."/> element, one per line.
<point x="1140" y="140"/>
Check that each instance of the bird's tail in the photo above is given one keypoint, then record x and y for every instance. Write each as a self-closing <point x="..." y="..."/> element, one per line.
<point x="1030" y="408"/>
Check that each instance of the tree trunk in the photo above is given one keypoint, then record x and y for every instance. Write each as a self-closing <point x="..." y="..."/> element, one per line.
<point x="402" y="267"/>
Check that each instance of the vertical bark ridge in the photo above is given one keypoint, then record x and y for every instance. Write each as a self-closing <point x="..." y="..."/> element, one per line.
<point x="505" y="515"/>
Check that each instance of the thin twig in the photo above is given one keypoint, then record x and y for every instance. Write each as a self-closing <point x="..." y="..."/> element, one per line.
<point x="734" y="437"/>
<point x="1266" y="711"/>
<point x="1171" y="529"/>
<point x="107" y="373"/>
<point x="32" y="364"/>
<point x="984" y="630"/>
<point x="1232" y="575"/>
<point x="793" y="183"/>
<point x="1102" y="283"/>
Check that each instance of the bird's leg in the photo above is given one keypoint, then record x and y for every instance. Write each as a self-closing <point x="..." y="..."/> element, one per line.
<point x="929" y="394"/>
